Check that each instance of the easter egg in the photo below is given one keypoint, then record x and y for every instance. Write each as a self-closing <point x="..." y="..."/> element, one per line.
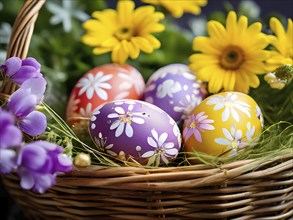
<point x="222" y="124"/>
<point x="174" y="89"/>
<point x="102" y="84"/>
<point x="135" y="131"/>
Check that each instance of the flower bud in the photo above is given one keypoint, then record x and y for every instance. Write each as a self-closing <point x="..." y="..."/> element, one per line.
<point x="280" y="77"/>
<point x="82" y="160"/>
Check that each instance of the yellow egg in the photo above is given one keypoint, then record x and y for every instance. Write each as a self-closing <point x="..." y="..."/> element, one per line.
<point x="222" y="124"/>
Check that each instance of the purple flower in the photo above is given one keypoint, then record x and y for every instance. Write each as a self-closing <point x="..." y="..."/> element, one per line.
<point x="8" y="160"/>
<point x="39" y="163"/>
<point x="23" y="102"/>
<point x="10" y="135"/>
<point x="196" y="124"/>
<point x="20" y="70"/>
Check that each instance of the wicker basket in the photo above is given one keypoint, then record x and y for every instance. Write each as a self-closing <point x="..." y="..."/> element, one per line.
<point x="247" y="189"/>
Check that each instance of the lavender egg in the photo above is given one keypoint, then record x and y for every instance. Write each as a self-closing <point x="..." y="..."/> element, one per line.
<point x="135" y="131"/>
<point x="174" y="89"/>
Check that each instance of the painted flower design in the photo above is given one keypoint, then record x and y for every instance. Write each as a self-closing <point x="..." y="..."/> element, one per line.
<point x="250" y="132"/>
<point x="124" y="119"/>
<point x="233" y="139"/>
<point x="162" y="149"/>
<point x="230" y="104"/>
<point x="95" y="84"/>
<point x="196" y="124"/>
<point x="87" y="111"/>
<point x="168" y="88"/>
<point x="187" y="104"/>
<point x="101" y="143"/>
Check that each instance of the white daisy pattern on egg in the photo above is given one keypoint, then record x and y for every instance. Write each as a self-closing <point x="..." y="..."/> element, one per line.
<point x="230" y="104"/>
<point x="101" y="143"/>
<point x="162" y="149"/>
<point x="168" y="88"/>
<point x="196" y="124"/>
<point x="95" y="84"/>
<point x="87" y="112"/>
<point x="124" y="119"/>
<point x="250" y="132"/>
<point x="233" y="139"/>
<point x="187" y="104"/>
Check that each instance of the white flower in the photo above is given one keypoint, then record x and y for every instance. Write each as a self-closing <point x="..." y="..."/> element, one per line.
<point x="124" y="120"/>
<point x="2" y="58"/>
<point x="162" y="150"/>
<point x="5" y="33"/>
<point x="168" y="87"/>
<point x="134" y="79"/>
<point x="187" y="104"/>
<point x="87" y="112"/>
<point x="97" y="84"/>
<point x="101" y="143"/>
<point x="230" y="105"/>
<point x="233" y="140"/>
<point x="250" y="132"/>
<point x="64" y="13"/>
<point x="171" y="69"/>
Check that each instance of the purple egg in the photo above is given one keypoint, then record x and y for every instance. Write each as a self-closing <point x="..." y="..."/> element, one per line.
<point x="135" y="131"/>
<point x="174" y="89"/>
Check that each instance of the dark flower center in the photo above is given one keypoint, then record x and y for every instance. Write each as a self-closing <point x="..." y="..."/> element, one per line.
<point x="232" y="57"/>
<point x="124" y="33"/>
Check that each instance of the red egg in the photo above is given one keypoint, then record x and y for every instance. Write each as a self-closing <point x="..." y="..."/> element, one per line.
<point x="102" y="84"/>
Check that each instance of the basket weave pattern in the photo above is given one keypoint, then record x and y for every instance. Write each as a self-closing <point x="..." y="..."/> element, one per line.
<point x="242" y="190"/>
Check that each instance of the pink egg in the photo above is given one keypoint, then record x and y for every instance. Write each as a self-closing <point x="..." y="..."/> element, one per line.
<point x="103" y="84"/>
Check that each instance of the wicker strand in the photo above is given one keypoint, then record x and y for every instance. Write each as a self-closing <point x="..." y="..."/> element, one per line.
<point x="22" y="31"/>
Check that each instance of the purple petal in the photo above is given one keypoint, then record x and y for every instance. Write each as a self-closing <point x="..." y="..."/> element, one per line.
<point x="34" y="123"/>
<point x="30" y="61"/>
<point x="11" y="136"/>
<point x="23" y="74"/>
<point x="8" y="160"/>
<point x="12" y="66"/>
<point x="21" y="102"/>
<point x="32" y="156"/>
<point x="37" y="87"/>
<point x="64" y="163"/>
<point x="44" y="182"/>
<point x="27" y="180"/>
<point x="6" y="118"/>
<point x="50" y="146"/>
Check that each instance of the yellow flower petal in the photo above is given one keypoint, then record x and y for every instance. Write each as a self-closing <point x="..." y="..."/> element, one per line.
<point x="155" y="43"/>
<point x="125" y="10"/>
<point x="217" y="31"/>
<point x="101" y="50"/>
<point x="142" y="44"/>
<point x="110" y="42"/>
<point x="124" y="31"/>
<point x="133" y="51"/>
<point x="204" y="45"/>
<point x="230" y="57"/>
<point x="178" y="8"/>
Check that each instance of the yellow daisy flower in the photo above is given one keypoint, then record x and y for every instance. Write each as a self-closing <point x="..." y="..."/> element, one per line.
<point x="230" y="58"/>
<point x="178" y="8"/>
<point x="125" y="32"/>
<point x="283" y="44"/>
